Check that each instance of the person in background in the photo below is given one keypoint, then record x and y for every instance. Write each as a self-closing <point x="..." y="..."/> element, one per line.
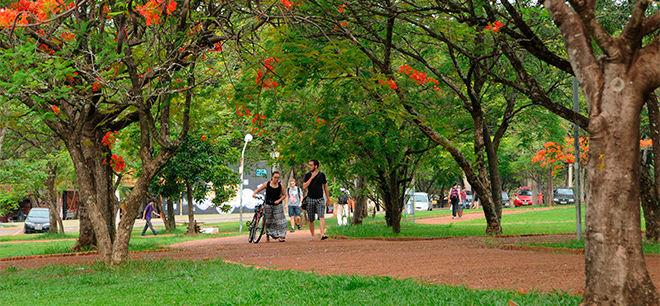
<point x="293" y="200"/>
<point x="464" y="202"/>
<point x="147" y="216"/>
<point x="454" y="197"/>
<point x="342" y="207"/>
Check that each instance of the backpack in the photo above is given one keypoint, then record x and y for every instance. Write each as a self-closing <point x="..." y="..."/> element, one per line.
<point x="342" y="199"/>
<point x="453" y="194"/>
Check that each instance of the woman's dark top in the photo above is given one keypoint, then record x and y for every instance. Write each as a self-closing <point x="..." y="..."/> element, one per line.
<point x="273" y="194"/>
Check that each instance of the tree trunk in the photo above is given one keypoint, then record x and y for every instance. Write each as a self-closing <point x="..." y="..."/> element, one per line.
<point x="86" y="238"/>
<point x="95" y="183"/>
<point x="55" y="220"/>
<point x="191" y="209"/>
<point x="389" y="188"/>
<point x="549" y="197"/>
<point x="616" y="272"/>
<point x="652" y="206"/>
<point x="170" y="215"/>
<point x="650" y="203"/>
<point x="360" y="206"/>
<point x="163" y="216"/>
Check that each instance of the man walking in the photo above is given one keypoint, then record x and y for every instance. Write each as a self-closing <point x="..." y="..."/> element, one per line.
<point x="317" y="185"/>
<point x="147" y="216"/>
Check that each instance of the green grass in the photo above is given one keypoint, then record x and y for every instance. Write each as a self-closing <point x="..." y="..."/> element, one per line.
<point x="137" y="243"/>
<point x="557" y="220"/>
<point x="44" y="236"/>
<point x="647" y="247"/>
<point x="212" y="282"/>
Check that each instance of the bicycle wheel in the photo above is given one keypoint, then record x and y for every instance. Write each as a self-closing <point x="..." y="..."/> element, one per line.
<point x="252" y="228"/>
<point x="259" y="227"/>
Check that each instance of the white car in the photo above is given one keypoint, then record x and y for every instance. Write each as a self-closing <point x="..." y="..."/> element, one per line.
<point x="421" y="201"/>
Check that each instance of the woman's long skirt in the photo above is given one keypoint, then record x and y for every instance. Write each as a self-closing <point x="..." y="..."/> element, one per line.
<point x="275" y="221"/>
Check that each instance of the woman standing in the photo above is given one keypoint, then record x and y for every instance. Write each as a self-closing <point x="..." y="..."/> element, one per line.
<point x="274" y="219"/>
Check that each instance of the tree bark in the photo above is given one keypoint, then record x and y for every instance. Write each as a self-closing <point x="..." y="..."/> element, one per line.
<point x="86" y="238"/>
<point x="549" y="197"/>
<point x="389" y="189"/>
<point x="650" y="203"/>
<point x="360" y="208"/>
<point x="191" y="209"/>
<point x="170" y="215"/>
<point x="615" y="267"/>
<point x="164" y="216"/>
<point x="56" y="225"/>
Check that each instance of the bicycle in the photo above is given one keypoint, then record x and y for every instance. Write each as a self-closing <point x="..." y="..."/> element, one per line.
<point x="257" y="225"/>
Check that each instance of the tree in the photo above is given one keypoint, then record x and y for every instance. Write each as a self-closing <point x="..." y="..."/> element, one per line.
<point x="197" y="168"/>
<point x="93" y="68"/>
<point x="615" y="88"/>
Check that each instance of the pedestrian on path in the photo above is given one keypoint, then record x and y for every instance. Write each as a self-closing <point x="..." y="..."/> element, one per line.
<point x="342" y="207"/>
<point x="293" y="200"/>
<point x="147" y="216"/>
<point x="454" y="196"/>
<point x="274" y="219"/>
<point x="464" y="202"/>
<point x="317" y="185"/>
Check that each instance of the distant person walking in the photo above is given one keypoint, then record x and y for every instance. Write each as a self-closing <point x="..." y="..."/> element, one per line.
<point x="274" y="219"/>
<point x="343" y="207"/>
<point x="454" y="196"/>
<point x="293" y="200"/>
<point x="317" y="185"/>
<point x="464" y="199"/>
<point x="147" y="216"/>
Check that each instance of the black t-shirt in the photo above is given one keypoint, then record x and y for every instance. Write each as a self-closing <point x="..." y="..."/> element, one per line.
<point x="315" y="189"/>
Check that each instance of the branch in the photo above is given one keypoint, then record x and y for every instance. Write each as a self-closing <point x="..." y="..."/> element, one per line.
<point x="589" y="73"/>
<point x="633" y="29"/>
<point x="531" y="42"/>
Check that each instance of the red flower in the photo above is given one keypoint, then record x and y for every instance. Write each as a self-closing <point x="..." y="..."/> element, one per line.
<point x="288" y="4"/>
<point x="117" y="163"/>
<point x="495" y="26"/>
<point x="110" y="138"/>
<point x="55" y="109"/>
<point x="203" y="138"/>
<point x="342" y="7"/>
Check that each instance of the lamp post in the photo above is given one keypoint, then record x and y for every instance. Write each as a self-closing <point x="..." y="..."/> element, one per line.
<point x="248" y="138"/>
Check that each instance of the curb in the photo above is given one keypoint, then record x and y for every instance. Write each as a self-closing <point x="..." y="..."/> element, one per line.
<point x="440" y="238"/>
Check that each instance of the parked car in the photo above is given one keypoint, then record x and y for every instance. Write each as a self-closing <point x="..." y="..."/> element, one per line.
<point x="564" y="195"/>
<point x="506" y="201"/>
<point x="38" y="220"/>
<point x="524" y="197"/>
<point x="421" y="201"/>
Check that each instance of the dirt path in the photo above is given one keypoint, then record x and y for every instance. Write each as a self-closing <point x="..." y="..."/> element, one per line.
<point x="472" y="214"/>
<point x="475" y="262"/>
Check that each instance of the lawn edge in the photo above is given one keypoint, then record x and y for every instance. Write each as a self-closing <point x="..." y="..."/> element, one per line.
<point x="73" y="254"/>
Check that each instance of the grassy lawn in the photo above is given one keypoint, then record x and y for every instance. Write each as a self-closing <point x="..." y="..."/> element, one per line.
<point x="137" y="242"/>
<point x="213" y="282"/>
<point x="557" y="220"/>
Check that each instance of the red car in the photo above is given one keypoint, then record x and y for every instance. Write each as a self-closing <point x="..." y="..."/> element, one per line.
<point x="524" y="197"/>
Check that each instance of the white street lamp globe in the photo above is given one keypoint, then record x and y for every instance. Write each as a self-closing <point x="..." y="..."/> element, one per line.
<point x="248" y="137"/>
